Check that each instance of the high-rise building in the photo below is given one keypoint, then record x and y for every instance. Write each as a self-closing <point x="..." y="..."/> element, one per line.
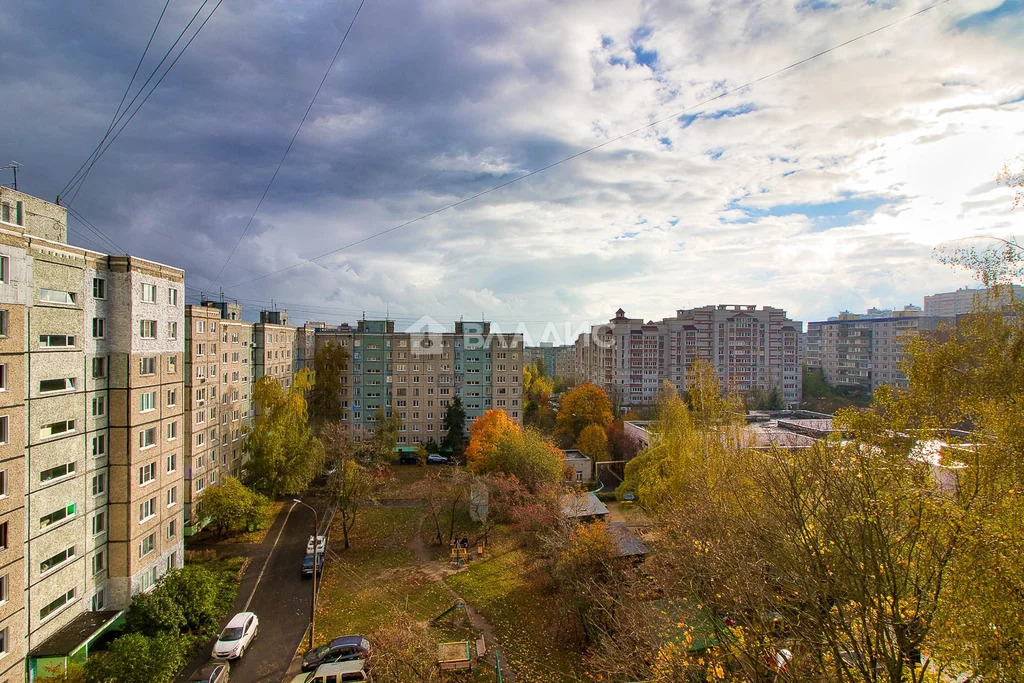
<point x="274" y="355"/>
<point x="91" y="375"/>
<point x="749" y="348"/>
<point x="866" y="351"/>
<point x="964" y="300"/>
<point x="418" y="374"/>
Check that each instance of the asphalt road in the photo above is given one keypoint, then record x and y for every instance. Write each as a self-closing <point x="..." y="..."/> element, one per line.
<point x="280" y="598"/>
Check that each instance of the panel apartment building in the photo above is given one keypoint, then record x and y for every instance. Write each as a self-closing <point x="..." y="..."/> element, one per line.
<point x="749" y="348"/>
<point x="91" y="380"/>
<point x="964" y="300"/>
<point x="865" y="351"/>
<point x="418" y="374"/>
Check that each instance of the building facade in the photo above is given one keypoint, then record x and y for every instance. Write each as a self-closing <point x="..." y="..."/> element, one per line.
<point x="964" y="300"/>
<point x="91" y="365"/>
<point x="749" y="348"/>
<point x="274" y="348"/>
<point x="866" y="352"/>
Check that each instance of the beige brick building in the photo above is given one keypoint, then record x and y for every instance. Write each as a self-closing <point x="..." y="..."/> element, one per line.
<point x="275" y="343"/>
<point x="91" y="368"/>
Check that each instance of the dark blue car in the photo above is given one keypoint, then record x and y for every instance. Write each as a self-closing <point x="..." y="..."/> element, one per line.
<point x="307" y="565"/>
<point x="340" y="649"/>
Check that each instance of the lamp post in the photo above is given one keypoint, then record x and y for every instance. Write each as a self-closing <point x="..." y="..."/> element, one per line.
<point x="312" y="604"/>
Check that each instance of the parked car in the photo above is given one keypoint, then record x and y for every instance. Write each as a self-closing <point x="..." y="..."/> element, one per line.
<point x="341" y="649"/>
<point x="307" y="565"/>
<point x="236" y="636"/>
<point x="320" y="543"/>
<point x="335" y="672"/>
<point x="408" y="458"/>
<point x="436" y="459"/>
<point x="214" y="672"/>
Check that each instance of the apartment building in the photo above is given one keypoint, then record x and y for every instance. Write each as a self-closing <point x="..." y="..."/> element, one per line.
<point x="418" y="374"/>
<point x="237" y="349"/>
<point x="749" y="348"/>
<point x="89" y="485"/>
<point x="866" y="351"/>
<point x="275" y="342"/>
<point x="964" y="300"/>
<point x="558" y="360"/>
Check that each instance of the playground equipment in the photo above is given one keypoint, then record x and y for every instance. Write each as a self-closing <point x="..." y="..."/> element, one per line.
<point x="454" y="656"/>
<point x="459" y="553"/>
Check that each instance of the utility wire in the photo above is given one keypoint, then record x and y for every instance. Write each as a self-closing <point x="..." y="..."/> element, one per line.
<point x="117" y="112"/>
<point x="88" y="224"/>
<point x="290" y="142"/>
<point x="593" y="148"/>
<point x="105" y="147"/>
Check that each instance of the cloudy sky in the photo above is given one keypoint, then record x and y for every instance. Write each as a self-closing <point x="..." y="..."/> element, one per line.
<point x="822" y="188"/>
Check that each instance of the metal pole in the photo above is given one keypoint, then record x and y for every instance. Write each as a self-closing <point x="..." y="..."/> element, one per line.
<point x="312" y="602"/>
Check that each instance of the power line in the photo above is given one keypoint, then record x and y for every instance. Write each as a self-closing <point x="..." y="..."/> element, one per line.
<point x="105" y="147"/>
<point x="117" y="112"/>
<point x="290" y="142"/>
<point x="594" y="147"/>
<point x="87" y="223"/>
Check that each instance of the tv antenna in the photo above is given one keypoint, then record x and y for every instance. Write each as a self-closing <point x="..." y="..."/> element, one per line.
<point x="13" y="168"/>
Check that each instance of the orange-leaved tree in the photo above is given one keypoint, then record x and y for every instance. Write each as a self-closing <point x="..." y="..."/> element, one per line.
<point x="484" y="434"/>
<point x="585" y="405"/>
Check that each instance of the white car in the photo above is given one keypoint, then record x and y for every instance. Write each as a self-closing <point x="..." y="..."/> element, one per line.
<point x="320" y="543"/>
<point x="335" y="672"/>
<point x="236" y="636"/>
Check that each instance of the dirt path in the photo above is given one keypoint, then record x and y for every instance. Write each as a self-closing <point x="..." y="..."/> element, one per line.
<point x="437" y="571"/>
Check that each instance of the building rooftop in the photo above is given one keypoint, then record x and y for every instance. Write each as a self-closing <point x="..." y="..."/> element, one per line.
<point x="581" y="505"/>
<point x="74" y="635"/>
<point x="627" y="542"/>
<point x="573" y="454"/>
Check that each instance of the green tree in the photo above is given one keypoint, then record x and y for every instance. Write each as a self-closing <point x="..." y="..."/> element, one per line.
<point x="381" y="448"/>
<point x="585" y="405"/>
<point x="329" y="365"/>
<point x="153" y="613"/>
<point x="226" y="505"/>
<point x="283" y="454"/>
<point x="455" y="428"/>
<point x="194" y="589"/>
<point x="135" y="658"/>
<point x="527" y="455"/>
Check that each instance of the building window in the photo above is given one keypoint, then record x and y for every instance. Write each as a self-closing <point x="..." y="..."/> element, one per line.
<point x="99" y="562"/>
<point x="3" y="536"/>
<point x="60" y="558"/>
<point x="147" y="510"/>
<point x="57" y="472"/>
<point x="172" y="364"/>
<point x="3" y="377"/>
<point x="172" y="397"/>
<point x="47" y="386"/>
<point x="56" y="341"/>
<point x="4" y="315"/>
<point x="97" y="328"/>
<point x="172" y="462"/>
<point x="99" y="484"/>
<point x="99" y="600"/>
<point x="57" y="428"/>
<point x="172" y="431"/>
<point x="99" y="523"/>
<point x="147" y="329"/>
<point x="99" y="406"/>
<point x="57" y="516"/>
<point x="57" y="604"/>
<point x="147" y="366"/>
<point x="99" y="367"/>
<point x="172" y="529"/>
<point x="99" y="445"/>
<point x="172" y="328"/>
<point x="5" y="269"/>
<point x="147" y="473"/>
<point x="99" y="288"/>
<point x="4" y="432"/>
<point x="3" y="483"/>
<point x="149" y="293"/>
<point x="3" y="593"/>
<point x="172" y="296"/>
<point x="200" y="327"/>
<point x="147" y="438"/>
<point x="172" y="496"/>
<point x="147" y="401"/>
<point x="147" y="545"/>
<point x="148" y="580"/>
<point x="56" y="296"/>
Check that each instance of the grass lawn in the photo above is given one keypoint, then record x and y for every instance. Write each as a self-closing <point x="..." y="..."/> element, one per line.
<point x="510" y="592"/>
<point x="363" y="585"/>
<point x="400" y="478"/>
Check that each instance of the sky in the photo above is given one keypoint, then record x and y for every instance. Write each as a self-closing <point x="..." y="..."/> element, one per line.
<point x="825" y="187"/>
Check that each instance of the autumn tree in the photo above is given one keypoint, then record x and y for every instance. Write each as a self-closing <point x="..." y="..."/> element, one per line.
<point x="380" y="450"/>
<point x="484" y="433"/>
<point x="537" y="391"/>
<point x="283" y="454"/>
<point x="585" y="405"/>
<point x="230" y="506"/>
<point x="330" y="364"/>
<point x="404" y="651"/>
<point x="446" y="492"/>
<point x="593" y="442"/>
<point x="349" y="483"/>
<point x="529" y="456"/>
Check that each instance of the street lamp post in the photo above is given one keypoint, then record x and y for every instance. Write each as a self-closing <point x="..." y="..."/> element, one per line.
<point x="312" y="604"/>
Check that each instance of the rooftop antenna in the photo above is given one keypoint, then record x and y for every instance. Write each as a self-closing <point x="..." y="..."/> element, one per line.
<point x="13" y="167"/>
